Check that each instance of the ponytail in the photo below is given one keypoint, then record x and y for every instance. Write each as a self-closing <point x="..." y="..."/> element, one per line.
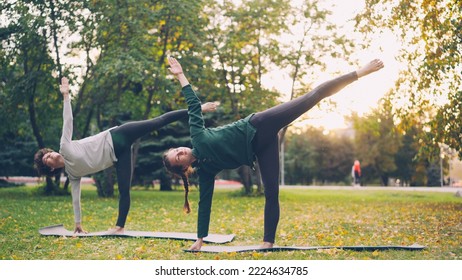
<point x="186" y="207"/>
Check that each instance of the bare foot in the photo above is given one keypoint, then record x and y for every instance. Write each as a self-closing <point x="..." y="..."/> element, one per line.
<point x="372" y="66"/>
<point x="266" y="245"/>
<point x="116" y="230"/>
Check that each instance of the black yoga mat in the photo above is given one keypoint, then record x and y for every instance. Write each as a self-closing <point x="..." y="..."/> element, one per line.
<point x="229" y="249"/>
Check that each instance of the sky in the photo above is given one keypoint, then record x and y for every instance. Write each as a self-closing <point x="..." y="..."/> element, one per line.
<point x="360" y="96"/>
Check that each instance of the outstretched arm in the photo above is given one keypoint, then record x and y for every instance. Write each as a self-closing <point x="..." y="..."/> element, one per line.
<point x="177" y="70"/>
<point x="196" y="121"/>
<point x="67" y="112"/>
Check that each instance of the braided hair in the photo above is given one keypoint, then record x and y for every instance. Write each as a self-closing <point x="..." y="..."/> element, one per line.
<point x="183" y="173"/>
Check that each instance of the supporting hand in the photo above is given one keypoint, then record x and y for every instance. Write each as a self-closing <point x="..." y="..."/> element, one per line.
<point x="79" y="229"/>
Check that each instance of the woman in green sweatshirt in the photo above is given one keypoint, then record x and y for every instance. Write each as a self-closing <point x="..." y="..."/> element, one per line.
<point x="92" y="154"/>
<point x="241" y="143"/>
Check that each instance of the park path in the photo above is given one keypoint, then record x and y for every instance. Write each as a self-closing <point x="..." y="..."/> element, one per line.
<point x="226" y="184"/>
<point x="236" y="185"/>
<point x="410" y="189"/>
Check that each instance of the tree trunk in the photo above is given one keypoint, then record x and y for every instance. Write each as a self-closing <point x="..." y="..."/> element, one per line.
<point x="50" y="186"/>
<point x="66" y="185"/>
<point x="384" y="179"/>
<point x="246" y="178"/>
<point x="104" y="182"/>
<point x="165" y="182"/>
<point x="259" y="183"/>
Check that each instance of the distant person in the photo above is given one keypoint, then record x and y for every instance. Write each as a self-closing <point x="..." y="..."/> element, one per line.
<point x="241" y="143"/>
<point x="356" y="173"/>
<point x="95" y="153"/>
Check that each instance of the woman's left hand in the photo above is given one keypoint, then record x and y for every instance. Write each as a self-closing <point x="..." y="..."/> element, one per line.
<point x="175" y="67"/>
<point x="64" y="87"/>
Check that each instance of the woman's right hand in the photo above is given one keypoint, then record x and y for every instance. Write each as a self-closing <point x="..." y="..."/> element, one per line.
<point x="79" y="229"/>
<point x="210" y="106"/>
<point x="197" y="245"/>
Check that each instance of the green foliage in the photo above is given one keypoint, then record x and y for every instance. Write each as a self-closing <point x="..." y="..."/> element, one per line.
<point x="225" y="48"/>
<point x="149" y="165"/>
<point x="308" y="218"/>
<point x="315" y="158"/>
<point x="431" y="36"/>
<point x="29" y="97"/>
<point x="16" y="160"/>
<point x="316" y="39"/>
<point x="409" y="167"/>
<point x="377" y="142"/>
<point x="449" y="118"/>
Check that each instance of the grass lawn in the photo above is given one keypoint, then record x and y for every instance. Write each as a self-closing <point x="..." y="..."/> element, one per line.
<point x="308" y="218"/>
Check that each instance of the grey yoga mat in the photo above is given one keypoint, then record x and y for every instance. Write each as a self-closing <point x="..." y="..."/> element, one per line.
<point x="59" y="230"/>
<point x="229" y="249"/>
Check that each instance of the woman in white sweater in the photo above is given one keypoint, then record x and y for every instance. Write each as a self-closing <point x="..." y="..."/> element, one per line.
<point x="95" y="153"/>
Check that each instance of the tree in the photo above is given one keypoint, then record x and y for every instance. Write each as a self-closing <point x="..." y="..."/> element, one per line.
<point x="314" y="157"/>
<point x="239" y="44"/>
<point x="29" y="85"/>
<point x="177" y="31"/>
<point x="123" y="75"/>
<point x="152" y="149"/>
<point x="409" y="168"/>
<point x="128" y="80"/>
<point x="299" y="160"/>
<point x="315" y="39"/>
<point x="431" y="34"/>
<point x="376" y="142"/>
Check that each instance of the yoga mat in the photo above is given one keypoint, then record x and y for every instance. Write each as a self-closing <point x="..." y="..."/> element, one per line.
<point x="59" y="230"/>
<point x="240" y="249"/>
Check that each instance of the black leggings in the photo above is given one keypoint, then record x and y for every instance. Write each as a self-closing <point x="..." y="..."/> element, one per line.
<point x="266" y="144"/>
<point x="123" y="137"/>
